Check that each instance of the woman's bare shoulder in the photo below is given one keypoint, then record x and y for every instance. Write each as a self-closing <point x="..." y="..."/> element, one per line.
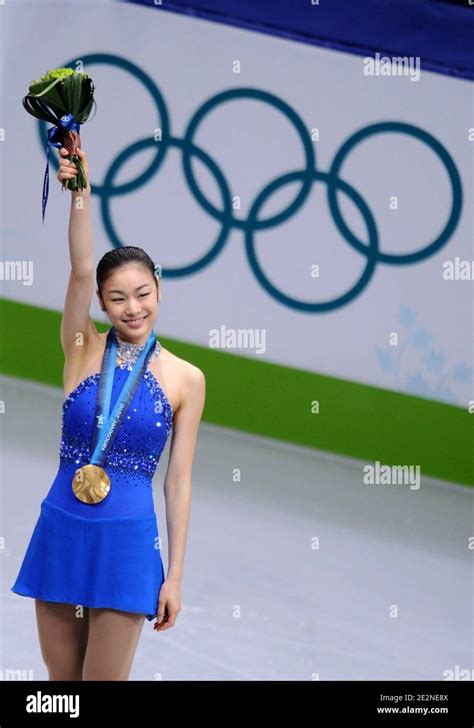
<point x="183" y="380"/>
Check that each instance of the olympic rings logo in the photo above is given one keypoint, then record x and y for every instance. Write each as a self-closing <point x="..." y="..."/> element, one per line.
<point x="253" y="223"/>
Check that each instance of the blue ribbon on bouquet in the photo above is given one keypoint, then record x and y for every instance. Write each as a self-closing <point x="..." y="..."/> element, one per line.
<point x="69" y="123"/>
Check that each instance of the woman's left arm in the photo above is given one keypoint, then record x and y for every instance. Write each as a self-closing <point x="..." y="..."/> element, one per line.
<point x="177" y="489"/>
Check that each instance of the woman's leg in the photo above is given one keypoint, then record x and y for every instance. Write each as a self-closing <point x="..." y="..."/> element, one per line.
<point x="113" y="639"/>
<point x="63" y="634"/>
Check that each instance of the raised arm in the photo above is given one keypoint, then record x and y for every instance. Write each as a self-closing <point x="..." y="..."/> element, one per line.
<point x="78" y="331"/>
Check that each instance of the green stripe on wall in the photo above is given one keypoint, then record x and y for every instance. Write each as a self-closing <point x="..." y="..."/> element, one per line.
<point x="257" y="397"/>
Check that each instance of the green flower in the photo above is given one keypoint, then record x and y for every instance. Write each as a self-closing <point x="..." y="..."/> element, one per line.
<point x="58" y="74"/>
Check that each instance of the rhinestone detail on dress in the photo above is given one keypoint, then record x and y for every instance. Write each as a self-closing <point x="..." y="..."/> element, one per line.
<point x="128" y="353"/>
<point x="142" y="435"/>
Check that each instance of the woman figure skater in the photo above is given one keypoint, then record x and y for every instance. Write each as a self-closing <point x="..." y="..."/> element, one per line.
<point x="94" y="563"/>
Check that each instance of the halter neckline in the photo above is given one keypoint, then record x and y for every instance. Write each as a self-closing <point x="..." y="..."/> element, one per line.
<point x="128" y="353"/>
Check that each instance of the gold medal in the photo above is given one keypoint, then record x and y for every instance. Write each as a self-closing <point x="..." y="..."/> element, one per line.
<point x="91" y="484"/>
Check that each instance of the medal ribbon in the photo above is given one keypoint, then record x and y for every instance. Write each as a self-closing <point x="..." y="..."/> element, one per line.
<point x="103" y="436"/>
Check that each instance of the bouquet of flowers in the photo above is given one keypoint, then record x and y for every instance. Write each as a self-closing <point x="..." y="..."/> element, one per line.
<point x="64" y="98"/>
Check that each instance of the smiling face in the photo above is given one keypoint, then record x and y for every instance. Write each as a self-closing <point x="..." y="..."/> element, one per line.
<point x="131" y="297"/>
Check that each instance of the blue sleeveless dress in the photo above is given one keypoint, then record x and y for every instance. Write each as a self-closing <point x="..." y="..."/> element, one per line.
<point x="105" y="554"/>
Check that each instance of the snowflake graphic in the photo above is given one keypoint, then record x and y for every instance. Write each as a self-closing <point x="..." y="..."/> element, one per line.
<point x="420" y="366"/>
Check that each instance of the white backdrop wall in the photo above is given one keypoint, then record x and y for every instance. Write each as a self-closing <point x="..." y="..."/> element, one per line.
<point x="252" y="141"/>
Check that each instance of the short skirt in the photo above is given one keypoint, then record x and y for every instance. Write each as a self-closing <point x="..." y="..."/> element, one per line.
<point x="111" y="563"/>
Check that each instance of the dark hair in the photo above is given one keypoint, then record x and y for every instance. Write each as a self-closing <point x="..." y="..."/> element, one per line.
<point x="117" y="257"/>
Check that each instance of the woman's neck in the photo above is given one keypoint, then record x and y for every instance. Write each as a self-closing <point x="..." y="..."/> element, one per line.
<point x="136" y="342"/>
